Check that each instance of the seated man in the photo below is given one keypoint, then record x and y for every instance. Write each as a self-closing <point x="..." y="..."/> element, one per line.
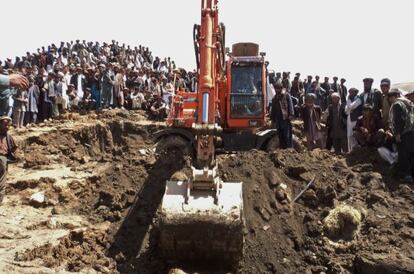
<point x="73" y="97"/>
<point x="369" y="130"/>
<point x="7" y="152"/>
<point x="137" y="99"/>
<point x="159" y="109"/>
<point x="253" y="109"/>
<point x="87" y="102"/>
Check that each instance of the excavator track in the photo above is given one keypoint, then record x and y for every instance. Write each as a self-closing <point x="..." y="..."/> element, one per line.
<point x="200" y="230"/>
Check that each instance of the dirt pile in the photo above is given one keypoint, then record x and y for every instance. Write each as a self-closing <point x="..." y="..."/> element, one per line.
<point x="286" y="237"/>
<point x="78" y="250"/>
<point x="127" y="182"/>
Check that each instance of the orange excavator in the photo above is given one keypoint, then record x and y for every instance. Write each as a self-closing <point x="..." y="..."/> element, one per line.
<point x="202" y="218"/>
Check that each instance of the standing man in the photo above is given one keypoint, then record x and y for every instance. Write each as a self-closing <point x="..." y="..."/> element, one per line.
<point x="6" y="82"/>
<point x="336" y="124"/>
<point x="308" y="85"/>
<point x="78" y="80"/>
<point x="32" y="102"/>
<point x="281" y="114"/>
<point x="7" y="152"/>
<point x="371" y="97"/>
<point x="402" y="128"/>
<point x="49" y="96"/>
<point x="353" y="110"/>
<point x="335" y="85"/>
<point x="119" y="87"/>
<point x="61" y="93"/>
<point x="410" y="96"/>
<point x="286" y="82"/>
<point x="326" y="85"/>
<point x="343" y="91"/>
<point x="311" y="115"/>
<point x="107" y="84"/>
<point x="385" y="88"/>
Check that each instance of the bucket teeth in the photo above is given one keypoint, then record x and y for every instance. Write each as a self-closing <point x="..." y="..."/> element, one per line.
<point x="201" y="230"/>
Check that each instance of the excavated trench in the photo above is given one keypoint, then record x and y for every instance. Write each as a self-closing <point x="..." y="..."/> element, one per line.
<point x="121" y="202"/>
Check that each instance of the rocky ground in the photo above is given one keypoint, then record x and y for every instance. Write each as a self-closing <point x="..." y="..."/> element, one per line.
<point x="84" y="197"/>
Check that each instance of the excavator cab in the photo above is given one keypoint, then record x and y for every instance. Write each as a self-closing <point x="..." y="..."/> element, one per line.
<point x="246" y="74"/>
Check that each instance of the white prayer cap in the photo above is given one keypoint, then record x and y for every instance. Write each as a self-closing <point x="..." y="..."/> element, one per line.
<point x="335" y="94"/>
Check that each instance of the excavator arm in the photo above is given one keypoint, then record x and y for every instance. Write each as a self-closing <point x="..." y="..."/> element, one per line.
<point x="202" y="219"/>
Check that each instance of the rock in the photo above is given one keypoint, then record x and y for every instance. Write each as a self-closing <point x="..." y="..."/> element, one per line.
<point x="283" y="186"/>
<point x="383" y="263"/>
<point x="66" y="196"/>
<point x="143" y="152"/>
<point x="84" y="159"/>
<point x="52" y="223"/>
<point x="179" y="176"/>
<point x="176" y="271"/>
<point x="57" y="210"/>
<point x="375" y="197"/>
<point x="327" y="195"/>
<point x="24" y="184"/>
<point x="263" y="213"/>
<point x="13" y="234"/>
<point x="102" y="269"/>
<point x="280" y="195"/>
<point x="310" y="198"/>
<point x="118" y="167"/>
<point x="37" y="199"/>
<point x="295" y="171"/>
<point x="273" y="178"/>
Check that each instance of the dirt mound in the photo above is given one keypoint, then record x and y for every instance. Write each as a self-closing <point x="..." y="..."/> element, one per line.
<point x="286" y="237"/>
<point x="78" y="250"/>
<point x="281" y="236"/>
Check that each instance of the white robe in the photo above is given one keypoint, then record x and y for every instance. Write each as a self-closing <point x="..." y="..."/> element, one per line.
<point x="350" y="125"/>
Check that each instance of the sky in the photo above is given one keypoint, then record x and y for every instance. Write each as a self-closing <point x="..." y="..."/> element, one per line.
<point x="345" y="38"/>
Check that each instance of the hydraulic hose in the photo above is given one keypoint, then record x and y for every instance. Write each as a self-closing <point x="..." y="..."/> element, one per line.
<point x="196" y="31"/>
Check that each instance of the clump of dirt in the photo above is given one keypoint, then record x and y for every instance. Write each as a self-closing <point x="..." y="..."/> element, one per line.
<point x="35" y="160"/>
<point x="78" y="250"/>
<point x="343" y="222"/>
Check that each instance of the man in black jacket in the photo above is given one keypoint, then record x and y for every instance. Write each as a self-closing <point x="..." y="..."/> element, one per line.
<point x="281" y="114"/>
<point x="402" y="128"/>
<point x="78" y="80"/>
<point x="372" y="97"/>
<point x="336" y="123"/>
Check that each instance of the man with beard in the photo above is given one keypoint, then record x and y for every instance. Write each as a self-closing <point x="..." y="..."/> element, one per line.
<point x="343" y="91"/>
<point x="372" y="97"/>
<point x="369" y="130"/>
<point x="402" y="129"/>
<point x="385" y="88"/>
<point x="336" y="124"/>
<point x="281" y="114"/>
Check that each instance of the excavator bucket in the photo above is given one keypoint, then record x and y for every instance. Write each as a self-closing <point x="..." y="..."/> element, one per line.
<point x="201" y="230"/>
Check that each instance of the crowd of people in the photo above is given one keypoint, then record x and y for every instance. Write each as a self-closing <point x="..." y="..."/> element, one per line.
<point x="340" y="119"/>
<point x="90" y="76"/>
<point x="83" y="76"/>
